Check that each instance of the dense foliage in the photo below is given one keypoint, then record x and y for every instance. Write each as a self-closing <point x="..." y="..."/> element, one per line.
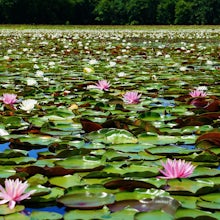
<point x="110" y="12"/>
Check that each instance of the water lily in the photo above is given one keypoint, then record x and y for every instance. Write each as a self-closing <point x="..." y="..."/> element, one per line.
<point x="3" y="132"/>
<point x="197" y="93"/>
<point x="9" y="99"/>
<point x="131" y="97"/>
<point x="14" y="192"/>
<point x="176" y="169"/>
<point x="28" y="105"/>
<point x="93" y="62"/>
<point x="39" y="73"/>
<point x="202" y="88"/>
<point x="31" y="82"/>
<point x="88" y="70"/>
<point x="103" y="85"/>
<point x="112" y="64"/>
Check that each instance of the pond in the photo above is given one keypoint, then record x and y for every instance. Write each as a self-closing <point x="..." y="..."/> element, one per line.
<point x="118" y="124"/>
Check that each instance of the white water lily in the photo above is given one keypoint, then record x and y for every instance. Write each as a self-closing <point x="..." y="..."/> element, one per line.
<point x="39" y="73"/>
<point x="88" y="70"/>
<point x="31" y="82"/>
<point x="112" y="64"/>
<point x="28" y="105"/>
<point x="3" y="132"/>
<point x="93" y="62"/>
<point x="121" y="74"/>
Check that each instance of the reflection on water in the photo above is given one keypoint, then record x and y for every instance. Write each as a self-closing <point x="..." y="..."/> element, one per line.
<point x="60" y="210"/>
<point x="34" y="152"/>
<point x="163" y="102"/>
<point x="188" y="146"/>
<point x="4" y="147"/>
<point x="31" y="153"/>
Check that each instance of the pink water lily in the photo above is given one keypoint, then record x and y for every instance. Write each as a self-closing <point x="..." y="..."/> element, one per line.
<point x="176" y="169"/>
<point x="14" y="192"/>
<point x="103" y="85"/>
<point x="131" y="97"/>
<point x="197" y="93"/>
<point x="9" y="99"/>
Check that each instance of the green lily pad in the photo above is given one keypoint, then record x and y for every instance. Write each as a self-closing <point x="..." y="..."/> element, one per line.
<point x="53" y="194"/>
<point x="158" y="214"/>
<point x="17" y="160"/>
<point x="4" y="209"/>
<point x="38" y="140"/>
<point x="208" y="205"/>
<point x="139" y="193"/>
<point x="6" y="171"/>
<point x="87" y="214"/>
<point x="67" y="181"/>
<point x="87" y="200"/>
<point x="18" y="216"/>
<point x="43" y="215"/>
<point x="150" y="116"/>
<point x="120" y="137"/>
<point x="113" y="136"/>
<point x="212" y="197"/>
<point x="167" y="150"/>
<point x="189" y="187"/>
<point x="188" y="202"/>
<point x="205" y="171"/>
<point x="81" y="163"/>
<point x="157" y="140"/>
<point x="196" y="214"/>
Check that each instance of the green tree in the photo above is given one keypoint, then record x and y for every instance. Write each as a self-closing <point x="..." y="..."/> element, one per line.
<point x="142" y="11"/>
<point x="206" y="12"/>
<point x="7" y="10"/>
<point x="111" y="12"/>
<point x="166" y="12"/>
<point x="184" y="12"/>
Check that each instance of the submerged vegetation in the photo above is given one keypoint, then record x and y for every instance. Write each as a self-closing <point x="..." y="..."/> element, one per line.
<point x="110" y="123"/>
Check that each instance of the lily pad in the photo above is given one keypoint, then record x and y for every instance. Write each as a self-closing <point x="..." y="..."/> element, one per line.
<point x="81" y="163"/>
<point x="86" y="214"/>
<point x="43" y="215"/>
<point x="4" y="209"/>
<point x="158" y="140"/>
<point x="87" y="200"/>
<point x="196" y="214"/>
<point x="158" y="214"/>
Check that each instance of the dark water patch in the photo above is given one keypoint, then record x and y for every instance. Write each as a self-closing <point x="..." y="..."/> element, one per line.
<point x="34" y="152"/>
<point x="188" y="146"/>
<point x="164" y="102"/>
<point x="4" y="147"/>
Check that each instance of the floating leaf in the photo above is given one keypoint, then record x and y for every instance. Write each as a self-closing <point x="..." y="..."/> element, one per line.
<point x="79" y="163"/>
<point x="43" y="215"/>
<point x="160" y="215"/>
<point x="212" y="197"/>
<point x="150" y="116"/>
<point x="157" y="140"/>
<point x="87" y="214"/>
<point x="189" y="187"/>
<point x="4" y="209"/>
<point x="86" y="200"/>
<point x="193" y="213"/>
<point x="66" y="181"/>
<point x="212" y="137"/>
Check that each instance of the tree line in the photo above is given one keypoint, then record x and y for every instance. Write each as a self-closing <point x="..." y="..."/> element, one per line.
<point x="110" y="12"/>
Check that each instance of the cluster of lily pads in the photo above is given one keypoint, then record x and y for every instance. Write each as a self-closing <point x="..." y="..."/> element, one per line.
<point x="109" y="124"/>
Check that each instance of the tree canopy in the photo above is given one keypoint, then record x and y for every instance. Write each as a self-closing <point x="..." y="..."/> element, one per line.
<point x="140" y="12"/>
